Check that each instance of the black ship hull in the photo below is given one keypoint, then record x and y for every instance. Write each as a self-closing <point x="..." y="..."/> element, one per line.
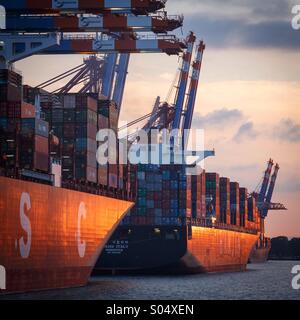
<point x="143" y="250"/>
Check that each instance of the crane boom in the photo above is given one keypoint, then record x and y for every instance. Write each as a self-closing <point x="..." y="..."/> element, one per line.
<point x="192" y="94"/>
<point x="183" y="80"/>
<point x="109" y="73"/>
<point x="265" y="183"/>
<point x="271" y="190"/>
<point x="122" y="71"/>
<point x="169" y="45"/>
<point x="91" y="6"/>
<point x="93" y="23"/>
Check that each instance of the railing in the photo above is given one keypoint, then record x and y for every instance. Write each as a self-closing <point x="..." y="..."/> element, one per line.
<point x="181" y="222"/>
<point x="91" y="188"/>
<point x="209" y="223"/>
<point x="96" y="189"/>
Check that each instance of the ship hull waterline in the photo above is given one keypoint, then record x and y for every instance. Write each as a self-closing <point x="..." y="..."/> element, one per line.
<point x="259" y="255"/>
<point x="207" y="250"/>
<point x="52" y="237"/>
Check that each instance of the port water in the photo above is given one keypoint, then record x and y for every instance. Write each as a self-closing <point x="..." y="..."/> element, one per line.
<point x="270" y="281"/>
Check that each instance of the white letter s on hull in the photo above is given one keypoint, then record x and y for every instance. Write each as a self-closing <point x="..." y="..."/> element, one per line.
<point x="2" y="278"/>
<point x="81" y="245"/>
<point x="25" y="223"/>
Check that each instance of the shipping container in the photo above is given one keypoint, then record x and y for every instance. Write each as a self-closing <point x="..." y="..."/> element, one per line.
<point x="10" y="86"/>
<point x="235" y="203"/>
<point x="243" y="206"/>
<point x="69" y="101"/>
<point x="212" y="191"/>
<point x="225" y="200"/>
<point x="108" y="109"/>
<point x="27" y="110"/>
<point x="103" y="174"/>
<point x="84" y="101"/>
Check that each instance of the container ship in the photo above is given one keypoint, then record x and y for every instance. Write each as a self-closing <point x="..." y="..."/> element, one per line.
<point x="185" y="222"/>
<point x="215" y="230"/>
<point x="58" y="206"/>
<point x="189" y="224"/>
<point x="182" y="222"/>
<point x="55" y="217"/>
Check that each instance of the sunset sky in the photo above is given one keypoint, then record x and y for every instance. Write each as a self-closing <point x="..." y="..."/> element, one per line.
<point x="248" y="99"/>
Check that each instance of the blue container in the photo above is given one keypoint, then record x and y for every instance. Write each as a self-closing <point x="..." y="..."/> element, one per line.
<point x="174" y="185"/>
<point x="158" y="212"/>
<point x="141" y="176"/>
<point x="150" y="204"/>
<point x="173" y="212"/>
<point x="166" y="175"/>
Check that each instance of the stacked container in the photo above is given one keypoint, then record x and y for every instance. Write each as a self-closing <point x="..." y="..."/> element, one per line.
<point x="10" y="114"/>
<point x="234" y="203"/>
<point x="213" y="195"/>
<point x="196" y="203"/>
<point x="251" y="212"/>
<point x="75" y="124"/>
<point x="243" y="206"/>
<point x="108" y="117"/>
<point x="10" y="86"/>
<point x="225" y="200"/>
<point x="34" y="144"/>
<point x="161" y="196"/>
<point x="25" y="139"/>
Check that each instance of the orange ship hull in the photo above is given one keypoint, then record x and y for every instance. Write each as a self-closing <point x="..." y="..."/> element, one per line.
<point x="217" y="250"/>
<point x="52" y="237"/>
<point x="259" y="255"/>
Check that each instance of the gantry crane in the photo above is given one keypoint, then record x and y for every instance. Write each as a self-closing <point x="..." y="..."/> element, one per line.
<point x="139" y="7"/>
<point x="163" y="115"/>
<point x="104" y="76"/>
<point x="264" y="197"/>
<point x="158" y="23"/>
<point x="121" y="76"/>
<point x="183" y="81"/>
<point x="72" y="26"/>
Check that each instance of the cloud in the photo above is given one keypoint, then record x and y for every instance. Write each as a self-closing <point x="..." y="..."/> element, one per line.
<point x="287" y="130"/>
<point x="246" y="131"/>
<point x="241" y="23"/>
<point x="217" y="118"/>
<point x="249" y="11"/>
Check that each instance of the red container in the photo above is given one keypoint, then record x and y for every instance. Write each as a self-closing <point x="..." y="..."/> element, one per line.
<point x="91" y="131"/>
<point x="41" y="144"/>
<point x="27" y="110"/>
<point x="113" y="180"/>
<point x="9" y="92"/>
<point x="3" y="109"/>
<point x="92" y="104"/>
<point x="41" y="161"/>
<point x="14" y="109"/>
<point x="91" y="174"/>
<point x="84" y="101"/>
<point x="69" y="130"/>
<point x="103" y="122"/>
<point x="103" y="175"/>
